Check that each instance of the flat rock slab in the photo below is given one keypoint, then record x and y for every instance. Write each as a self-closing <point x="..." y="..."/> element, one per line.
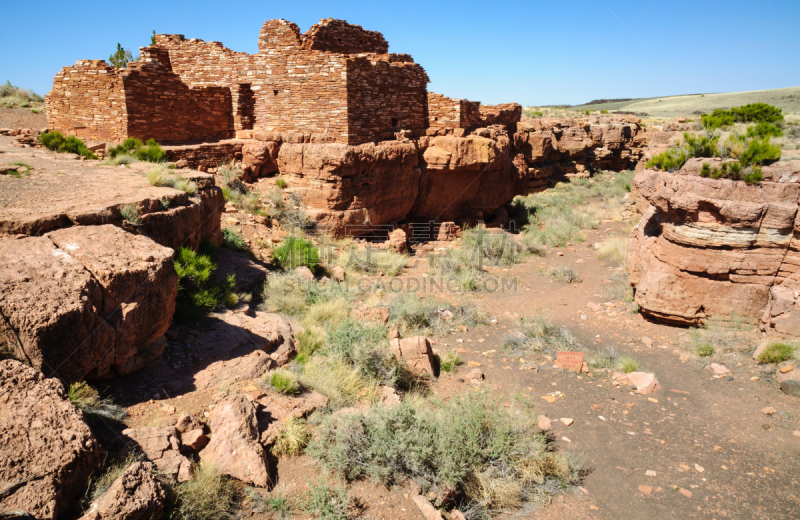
<point x="41" y="431"/>
<point x="250" y="275"/>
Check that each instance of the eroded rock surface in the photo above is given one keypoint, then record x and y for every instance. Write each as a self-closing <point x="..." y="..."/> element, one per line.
<point x="137" y="494"/>
<point x="162" y="446"/>
<point x="42" y="432"/>
<point x="234" y="446"/>
<point x="711" y="247"/>
<point x="86" y="301"/>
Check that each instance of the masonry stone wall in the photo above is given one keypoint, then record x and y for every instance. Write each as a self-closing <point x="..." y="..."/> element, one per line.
<point x="88" y="100"/>
<point x="505" y="114"/>
<point x="450" y="113"/>
<point x="340" y="37"/>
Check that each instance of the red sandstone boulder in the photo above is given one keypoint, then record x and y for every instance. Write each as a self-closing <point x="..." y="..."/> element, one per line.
<point x="162" y="446"/>
<point x="41" y="432"/>
<point x="275" y="409"/>
<point x="416" y="352"/>
<point x="137" y="494"/>
<point x="234" y="448"/>
<point x="259" y="158"/>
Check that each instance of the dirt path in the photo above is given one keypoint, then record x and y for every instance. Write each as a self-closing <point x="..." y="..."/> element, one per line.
<point x="699" y="433"/>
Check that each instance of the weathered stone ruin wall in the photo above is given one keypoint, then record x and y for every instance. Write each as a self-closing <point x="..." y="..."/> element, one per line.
<point x="340" y="37"/>
<point x="162" y="107"/>
<point x="146" y="100"/>
<point x="445" y="112"/>
<point x="716" y="247"/>
<point x="384" y="95"/>
<point x="505" y="114"/>
<point x="88" y="100"/>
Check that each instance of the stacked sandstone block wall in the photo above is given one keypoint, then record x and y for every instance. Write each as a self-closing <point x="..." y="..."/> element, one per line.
<point x="314" y="83"/>
<point x="146" y="100"/>
<point x="505" y="114"/>
<point x="88" y="100"/>
<point x="445" y="112"/>
<point x="384" y="95"/>
<point x="340" y="37"/>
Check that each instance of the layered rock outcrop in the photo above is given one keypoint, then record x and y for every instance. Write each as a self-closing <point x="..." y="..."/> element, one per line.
<point x="46" y="448"/>
<point x="713" y="247"/>
<point x="447" y="174"/>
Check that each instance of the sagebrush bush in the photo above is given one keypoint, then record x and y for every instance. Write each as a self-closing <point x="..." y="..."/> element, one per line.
<point x="56" y="142"/>
<point x="295" y="252"/>
<point x="198" y="293"/>
<point x="444" y="446"/>
<point x="325" y="503"/>
<point x="130" y="214"/>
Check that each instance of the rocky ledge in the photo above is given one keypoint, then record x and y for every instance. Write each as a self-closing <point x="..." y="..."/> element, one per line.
<point x="713" y="247"/>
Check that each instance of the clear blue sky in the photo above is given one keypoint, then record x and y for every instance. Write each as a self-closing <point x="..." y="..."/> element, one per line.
<point x="533" y="52"/>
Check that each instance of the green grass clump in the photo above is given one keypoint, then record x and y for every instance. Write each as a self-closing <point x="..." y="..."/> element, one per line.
<point x="56" y="142"/>
<point x="705" y="350"/>
<point x="160" y="176"/>
<point x="295" y="252"/>
<point x="472" y="444"/>
<point x="776" y="352"/>
<point x="627" y="364"/>
<point x="149" y="152"/>
<point x="197" y="291"/>
<point x="449" y="361"/>
<point x="325" y="503"/>
<point x="209" y="496"/>
<point x="342" y="383"/>
<point x="283" y="382"/>
<point x="281" y="183"/>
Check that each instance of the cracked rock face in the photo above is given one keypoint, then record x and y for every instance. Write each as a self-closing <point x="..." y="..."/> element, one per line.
<point x="86" y="302"/>
<point x="41" y="431"/>
<point x="709" y="247"/>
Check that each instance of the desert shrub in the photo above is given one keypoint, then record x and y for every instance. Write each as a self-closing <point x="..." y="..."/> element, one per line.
<point x="233" y="240"/>
<point x="325" y="503"/>
<point x="724" y="334"/>
<point x="564" y="273"/>
<point x="209" y="496"/>
<point x="159" y="176"/>
<point x="449" y="361"/>
<point x="604" y="111"/>
<point x="754" y="176"/>
<point x="281" y="183"/>
<point x="672" y="159"/>
<point x="471" y="444"/>
<point x="295" y="252"/>
<point x="56" y="142"/>
<point x="197" y="291"/>
<point x="149" y="152"/>
<point x="341" y="382"/>
<point x="760" y="151"/>
<point x="494" y="249"/>
<point x="292" y="438"/>
<point x="751" y="113"/>
<point x="88" y="400"/>
<point x="539" y="333"/>
<point x="289" y="211"/>
<point x="11" y="95"/>
<point x="413" y="315"/>
<point x="282" y="381"/>
<point x="372" y="261"/>
<point x="764" y="129"/>
<point x="705" y="350"/>
<point x="120" y="57"/>
<point x="776" y="352"/>
<point x="130" y="214"/>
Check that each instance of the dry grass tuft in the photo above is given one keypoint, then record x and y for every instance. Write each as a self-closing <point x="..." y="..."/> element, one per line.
<point x="292" y="438"/>
<point x="344" y="384"/>
<point x="210" y="496"/>
<point x="613" y="250"/>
